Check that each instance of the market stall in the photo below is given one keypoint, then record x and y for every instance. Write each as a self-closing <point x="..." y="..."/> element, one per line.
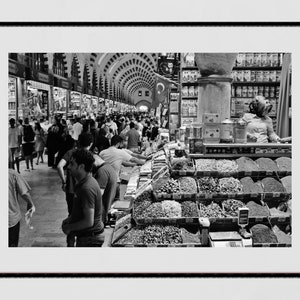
<point x="225" y="201"/>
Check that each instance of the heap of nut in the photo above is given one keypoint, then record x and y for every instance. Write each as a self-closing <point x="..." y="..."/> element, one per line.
<point x="171" y="186"/>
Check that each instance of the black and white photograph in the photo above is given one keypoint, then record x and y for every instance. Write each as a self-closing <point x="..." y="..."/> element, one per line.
<point x="150" y="151"/>
<point x="129" y="174"/>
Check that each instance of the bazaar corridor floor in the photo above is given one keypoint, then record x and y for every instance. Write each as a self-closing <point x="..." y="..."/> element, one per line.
<point x="51" y="209"/>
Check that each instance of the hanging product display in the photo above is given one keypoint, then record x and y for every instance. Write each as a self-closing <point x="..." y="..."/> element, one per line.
<point x="74" y="103"/>
<point x="101" y="105"/>
<point x="12" y="97"/>
<point x="86" y="104"/>
<point x="94" y="104"/>
<point x="59" y="100"/>
<point x="36" y="101"/>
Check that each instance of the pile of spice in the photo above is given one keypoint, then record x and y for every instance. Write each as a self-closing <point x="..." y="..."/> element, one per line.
<point x="169" y="187"/>
<point x="171" y="209"/>
<point x="212" y="210"/>
<point x="251" y="187"/>
<point x="189" y="209"/>
<point x="140" y="207"/>
<point x="157" y="234"/>
<point x="257" y="210"/>
<point x="154" y="210"/>
<point x="187" y="185"/>
<point x="282" y="237"/>
<point x="230" y="185"/>
<point x="246" y="164"/>
<point x="272" y="185"/>
<point x="188" y="237"/>
<point x="284" y="164"/>
<point x="266" y="164"/>
<point x="263" y="234"/>
<point x="208" y="185"/>
<point x="132" y="237"/>
<point x="226" y="166"/>
<point x="231" y="206"/>
<point x="205" y="164"/>
<point x="287" y="183"/>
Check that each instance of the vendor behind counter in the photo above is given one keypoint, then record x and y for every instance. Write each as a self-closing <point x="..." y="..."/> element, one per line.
<point x="259" y="124"/>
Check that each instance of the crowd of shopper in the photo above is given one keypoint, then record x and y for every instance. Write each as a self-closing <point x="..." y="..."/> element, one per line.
<point x="89" y="155"/>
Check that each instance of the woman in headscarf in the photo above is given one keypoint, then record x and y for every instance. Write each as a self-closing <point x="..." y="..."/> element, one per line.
<point x="259" y="124"/>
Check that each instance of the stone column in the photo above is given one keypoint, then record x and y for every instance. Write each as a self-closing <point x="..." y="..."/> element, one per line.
<point x="214" y="90"/>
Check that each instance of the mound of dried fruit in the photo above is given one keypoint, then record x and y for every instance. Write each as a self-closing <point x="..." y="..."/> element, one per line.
<point x="208" y="185"/>
<point x="231" y="206"/>
<point x="230" y="185"/>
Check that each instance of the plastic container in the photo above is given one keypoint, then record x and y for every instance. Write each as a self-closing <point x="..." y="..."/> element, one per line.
<point x="240" y="132"/>
<point x="197" y="130"/>
<point x="226" y="134"/>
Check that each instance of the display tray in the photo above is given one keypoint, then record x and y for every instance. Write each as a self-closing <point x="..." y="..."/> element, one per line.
<point x="122" y="231"/>
<point x="229" y="220"/>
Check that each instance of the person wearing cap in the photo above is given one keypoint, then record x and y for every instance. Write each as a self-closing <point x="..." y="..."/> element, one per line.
<point x="259" y="124"/>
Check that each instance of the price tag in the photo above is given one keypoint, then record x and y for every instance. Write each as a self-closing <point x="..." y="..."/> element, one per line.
<point x="243" y="216"/>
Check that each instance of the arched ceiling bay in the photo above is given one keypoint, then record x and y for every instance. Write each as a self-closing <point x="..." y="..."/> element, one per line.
<point x="128" y="71"/>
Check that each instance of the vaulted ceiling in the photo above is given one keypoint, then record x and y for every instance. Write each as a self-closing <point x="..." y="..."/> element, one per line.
<point x="126" y="72"/>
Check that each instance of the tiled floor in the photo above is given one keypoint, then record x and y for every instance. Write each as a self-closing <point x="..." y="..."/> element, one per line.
<point x="51" y="209"/>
